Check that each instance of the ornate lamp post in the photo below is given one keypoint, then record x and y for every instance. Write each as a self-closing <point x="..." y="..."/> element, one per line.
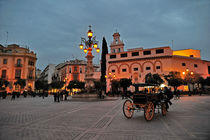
<point x="110" y="77"/>
<point x="87" y="48"/>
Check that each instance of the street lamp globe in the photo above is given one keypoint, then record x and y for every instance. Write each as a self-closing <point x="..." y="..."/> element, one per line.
<point x="95" y="45"/>
<point x="97" y="50"/>
<point x="81" y="46"/>
<point x="85" y="50"/>
<point x="90" y="33"/>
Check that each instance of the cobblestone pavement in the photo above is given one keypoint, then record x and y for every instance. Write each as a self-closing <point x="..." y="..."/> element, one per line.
<point x="42" y="119"/>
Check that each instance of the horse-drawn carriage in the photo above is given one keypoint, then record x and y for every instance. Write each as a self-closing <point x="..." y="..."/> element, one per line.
<point x="147" y="102"/>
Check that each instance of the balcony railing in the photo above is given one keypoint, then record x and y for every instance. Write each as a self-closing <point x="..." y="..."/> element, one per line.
<point x="18" y="65"/>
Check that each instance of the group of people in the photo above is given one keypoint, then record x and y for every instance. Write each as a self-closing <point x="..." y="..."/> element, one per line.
<point x="58" y="96"/>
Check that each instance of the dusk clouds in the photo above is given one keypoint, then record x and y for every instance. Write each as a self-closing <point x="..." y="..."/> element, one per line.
<point x="52" y="28"/>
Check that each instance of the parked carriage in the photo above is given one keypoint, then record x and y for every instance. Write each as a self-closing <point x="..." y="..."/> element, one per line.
<point x="146" y="102"/>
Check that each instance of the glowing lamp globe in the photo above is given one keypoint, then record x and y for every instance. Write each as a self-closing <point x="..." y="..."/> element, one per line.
<point x="90" y="33"/>
<point x="85" y="50"/>
<point x="95" y="45"/>
<point x="81" y="46"/>
<point x="97" y="50"/>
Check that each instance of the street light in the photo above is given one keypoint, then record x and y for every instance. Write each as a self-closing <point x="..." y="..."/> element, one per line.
<point x="110" y="78"/>
<point x="89" y="45"/>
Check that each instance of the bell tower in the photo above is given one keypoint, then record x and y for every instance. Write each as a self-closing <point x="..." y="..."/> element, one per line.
<point x="117" y="45"/>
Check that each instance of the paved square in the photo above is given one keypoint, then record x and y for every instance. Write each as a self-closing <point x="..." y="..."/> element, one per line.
<point x="42" y="119"/>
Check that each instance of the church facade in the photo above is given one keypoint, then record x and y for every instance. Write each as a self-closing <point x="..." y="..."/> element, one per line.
<point x="136" y="63"/>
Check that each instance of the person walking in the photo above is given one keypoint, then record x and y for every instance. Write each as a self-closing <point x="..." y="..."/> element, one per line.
<point x="13" y="96"/>
<point x="58" y="97"/>
<point x="55" y="97"/>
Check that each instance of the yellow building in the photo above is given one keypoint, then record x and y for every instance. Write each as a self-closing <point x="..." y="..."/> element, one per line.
<point x="17" y="63"/>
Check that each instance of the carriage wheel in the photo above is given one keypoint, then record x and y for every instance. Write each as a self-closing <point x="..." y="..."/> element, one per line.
<point x="163" y="109"/>
<point x="128" y="109"/>
<point x="149" y="111"/>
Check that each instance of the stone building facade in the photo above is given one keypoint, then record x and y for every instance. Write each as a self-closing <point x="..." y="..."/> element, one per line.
<point x="17" y="63"/>
<point x="138" y="62"/>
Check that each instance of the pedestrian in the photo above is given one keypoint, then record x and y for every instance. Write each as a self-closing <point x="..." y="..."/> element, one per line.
<point x="55" y="97"/>
<point x="13" y="95"/>
<point x="169" y="95"/>
<point x="66" y="94"/>
<point x="61" y="95"/>
<point x="58" y="98"/>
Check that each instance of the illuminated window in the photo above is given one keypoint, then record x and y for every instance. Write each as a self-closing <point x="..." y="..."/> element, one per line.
<point x="183" y="64"/>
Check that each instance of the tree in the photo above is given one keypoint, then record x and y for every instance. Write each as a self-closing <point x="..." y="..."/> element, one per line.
<point x="207" y="81"/>
<point x="103" y="63"/>
<point x="153" y="79"/>
<point x="115" y="84"/>
<point x="174" y="79"/>
<point x="21" y="83"/>
<point x="3" y="84"/>
<point x="201" y="82"/>
<point x="76" y="84"/>
<point x="125" y="83"/>
<point x="192" y="78"/>
<point x="41" y="85"/>
<point x="57" y="84"/>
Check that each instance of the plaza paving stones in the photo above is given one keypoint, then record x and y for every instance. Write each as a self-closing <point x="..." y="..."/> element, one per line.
<point x="42" y="119"/>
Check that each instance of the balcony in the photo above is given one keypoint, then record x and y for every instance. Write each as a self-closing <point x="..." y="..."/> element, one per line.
<point x="18" y="65"/>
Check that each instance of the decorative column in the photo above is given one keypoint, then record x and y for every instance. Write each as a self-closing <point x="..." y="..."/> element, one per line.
<point x="89" y="44"/>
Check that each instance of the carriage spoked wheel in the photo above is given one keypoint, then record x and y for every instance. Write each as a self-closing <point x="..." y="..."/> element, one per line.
<point x="163" y="109"/>
<point x="149" y="111"/>
<point x="128" y="109"/>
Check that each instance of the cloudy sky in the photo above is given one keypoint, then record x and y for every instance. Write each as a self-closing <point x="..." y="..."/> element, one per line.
<point x="52" y="28"/>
